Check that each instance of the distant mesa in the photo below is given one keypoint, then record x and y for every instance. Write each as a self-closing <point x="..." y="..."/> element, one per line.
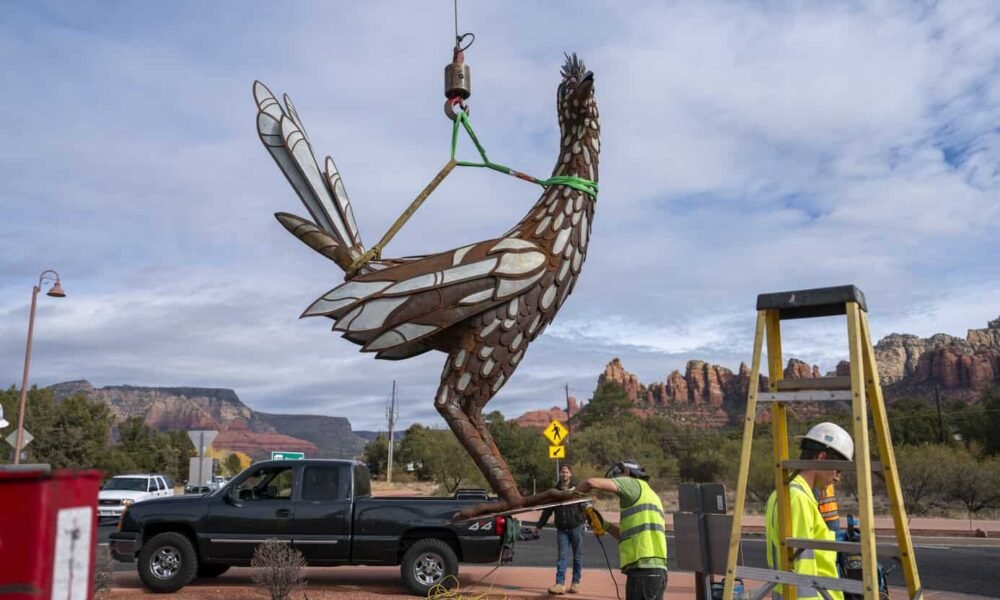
<point x="240" y="427"/>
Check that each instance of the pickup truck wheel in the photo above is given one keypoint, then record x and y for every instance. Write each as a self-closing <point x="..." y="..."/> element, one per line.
<point x="211" y="570"/>
<point x="167" y="562"/>
<point x="428" y="563"/>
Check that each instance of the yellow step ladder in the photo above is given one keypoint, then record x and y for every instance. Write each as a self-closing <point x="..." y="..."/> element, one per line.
<point x="863" y="390"/>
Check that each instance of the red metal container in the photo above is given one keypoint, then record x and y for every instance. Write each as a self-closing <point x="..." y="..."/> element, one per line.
<point x="48" y="534"/>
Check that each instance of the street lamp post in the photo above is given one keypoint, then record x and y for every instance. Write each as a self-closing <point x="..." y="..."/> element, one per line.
<point x="55" y="291"/>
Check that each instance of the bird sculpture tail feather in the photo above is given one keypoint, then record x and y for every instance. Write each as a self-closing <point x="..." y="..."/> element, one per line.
<point x="335" y="231"/>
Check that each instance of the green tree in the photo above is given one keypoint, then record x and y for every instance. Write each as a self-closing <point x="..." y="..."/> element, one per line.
<point x="376" y="455"/>
<point x="990" y="402"/>
<point x="438" y="457"/>
<point x="974" y="484"/>
<point x="232" y="464"/>
<point x="72" y="433"/>
<point x="913" y="421"/>
<point x="525" y="451"/>
<point x="609" y="403"/>
<point x="142" y="448"/>
<point x="607" y="443"/>
<point x="922" y="480"/>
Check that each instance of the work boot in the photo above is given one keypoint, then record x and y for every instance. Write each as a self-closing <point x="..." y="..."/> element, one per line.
<point x="575" y="588"/>
<point x="557" y="589"/>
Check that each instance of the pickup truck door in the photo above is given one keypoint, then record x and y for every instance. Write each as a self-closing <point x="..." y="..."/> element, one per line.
<point x="321" y="527"/>
<point x="245" y="514"/>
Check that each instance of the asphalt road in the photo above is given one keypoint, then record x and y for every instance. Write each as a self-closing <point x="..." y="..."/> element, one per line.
<point x="945" y="564"/>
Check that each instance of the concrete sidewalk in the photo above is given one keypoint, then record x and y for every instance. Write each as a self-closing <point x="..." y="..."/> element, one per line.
<point x="382" y="583"/>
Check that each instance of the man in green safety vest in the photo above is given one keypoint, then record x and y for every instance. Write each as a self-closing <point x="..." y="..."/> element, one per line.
<point x="825" y="441"/>
<point x="642" y="541"/>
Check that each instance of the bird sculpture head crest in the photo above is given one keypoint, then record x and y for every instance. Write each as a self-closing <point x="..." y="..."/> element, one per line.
<point x="575" y="95"/>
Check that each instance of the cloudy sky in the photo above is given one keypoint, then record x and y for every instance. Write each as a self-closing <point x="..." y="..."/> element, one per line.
<point x="747" y="148"/>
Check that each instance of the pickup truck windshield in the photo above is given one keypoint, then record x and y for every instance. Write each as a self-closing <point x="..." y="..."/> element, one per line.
<point x="131" y="484"/>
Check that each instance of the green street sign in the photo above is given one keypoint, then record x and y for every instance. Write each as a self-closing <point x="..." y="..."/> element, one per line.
<point x="276" y="455"/>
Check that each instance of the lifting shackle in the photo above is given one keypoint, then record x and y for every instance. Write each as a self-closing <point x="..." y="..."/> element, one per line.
<point x="458" y="78"/>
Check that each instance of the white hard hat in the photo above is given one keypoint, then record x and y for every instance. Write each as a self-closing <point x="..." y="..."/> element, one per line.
<point x="832" y="436"/>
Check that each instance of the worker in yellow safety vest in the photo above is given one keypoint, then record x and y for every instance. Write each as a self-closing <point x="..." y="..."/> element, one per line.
<point x="827" y="500"/>
<point x="825" y="441"/>
<point x="641" y="535"/>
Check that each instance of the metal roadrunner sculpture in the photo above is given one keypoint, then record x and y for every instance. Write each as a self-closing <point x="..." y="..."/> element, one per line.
<point x="481" y="304"/>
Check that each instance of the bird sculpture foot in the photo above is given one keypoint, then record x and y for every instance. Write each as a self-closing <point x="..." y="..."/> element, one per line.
<point x="515" y="503"/>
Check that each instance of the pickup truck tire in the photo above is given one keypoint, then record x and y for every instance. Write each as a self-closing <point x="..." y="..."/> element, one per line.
<point x="211" y="570"/>
<point x="167" y="562"/>
<point x="428" y="563"/>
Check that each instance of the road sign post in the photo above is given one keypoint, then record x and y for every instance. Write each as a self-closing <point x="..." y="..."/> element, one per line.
<point x="201" y="438"/>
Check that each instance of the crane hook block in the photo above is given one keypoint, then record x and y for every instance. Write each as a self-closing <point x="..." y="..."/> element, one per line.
<point x="457" y="76"/>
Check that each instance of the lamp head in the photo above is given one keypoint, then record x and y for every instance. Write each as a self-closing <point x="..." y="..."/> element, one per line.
<point x="56" y="291"/>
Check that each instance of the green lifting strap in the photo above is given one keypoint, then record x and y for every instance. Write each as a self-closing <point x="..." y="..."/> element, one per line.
<point x="461" y="118"/>
<point x="578" y="183"/>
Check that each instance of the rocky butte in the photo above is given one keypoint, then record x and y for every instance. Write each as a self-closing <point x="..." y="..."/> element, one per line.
<point x="712" y="396"/>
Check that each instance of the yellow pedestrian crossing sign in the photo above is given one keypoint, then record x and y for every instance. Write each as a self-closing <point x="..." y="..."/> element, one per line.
<point x="557" y="451"/>
<point x="556" y="433"/>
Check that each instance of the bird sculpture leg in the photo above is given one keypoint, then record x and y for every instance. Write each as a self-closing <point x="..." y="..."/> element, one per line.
<point x="460" y="398"/>
<point x="478" y="442"/>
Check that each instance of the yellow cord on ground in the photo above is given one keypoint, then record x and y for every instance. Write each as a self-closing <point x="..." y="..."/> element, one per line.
<point x="442" y="592"/>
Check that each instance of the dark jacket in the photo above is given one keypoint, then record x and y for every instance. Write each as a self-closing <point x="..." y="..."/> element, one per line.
<point x="567" y="517"/>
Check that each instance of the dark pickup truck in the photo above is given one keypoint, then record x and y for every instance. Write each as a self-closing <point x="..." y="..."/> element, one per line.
<point x="323" y="508"/>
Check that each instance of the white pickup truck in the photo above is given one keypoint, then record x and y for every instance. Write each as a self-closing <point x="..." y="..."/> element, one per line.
<point x="122" y="491"/>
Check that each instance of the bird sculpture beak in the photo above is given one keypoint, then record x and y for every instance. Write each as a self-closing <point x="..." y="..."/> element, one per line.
<point x="586" y="86"/>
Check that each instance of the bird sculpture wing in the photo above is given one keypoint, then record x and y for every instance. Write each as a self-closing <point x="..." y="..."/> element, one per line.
<point x="394" y="310"/>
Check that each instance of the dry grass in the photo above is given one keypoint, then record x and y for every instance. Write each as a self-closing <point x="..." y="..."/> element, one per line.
<point x="413" y="488"/>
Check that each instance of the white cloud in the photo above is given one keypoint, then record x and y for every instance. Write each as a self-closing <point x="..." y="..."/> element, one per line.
<point x="747" y="148"/>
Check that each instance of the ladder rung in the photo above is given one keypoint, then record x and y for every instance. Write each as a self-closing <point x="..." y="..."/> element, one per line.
<point x="801" y="464"/>
<point x="881" y="549"/>
<point x="806" y="396"/>
<point x="852" y="586"/>
<point x="841" y="382"/>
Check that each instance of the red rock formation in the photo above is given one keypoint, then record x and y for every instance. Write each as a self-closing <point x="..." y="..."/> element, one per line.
<point x="616" y="373"/>
<point x="539" y="419"/>
<point x="239" y="438"/>
<point x="798" y="369"/>
<point x="953" y="369"/>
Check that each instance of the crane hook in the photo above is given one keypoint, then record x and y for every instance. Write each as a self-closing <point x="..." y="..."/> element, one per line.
<point x="458" y="77"/>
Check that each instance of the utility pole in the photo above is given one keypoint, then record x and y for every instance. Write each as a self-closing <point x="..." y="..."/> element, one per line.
<point x="391" y="413"/>
<point x="569" y="427"/>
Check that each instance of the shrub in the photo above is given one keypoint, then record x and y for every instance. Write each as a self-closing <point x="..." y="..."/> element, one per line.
<point x="278" y="567"/>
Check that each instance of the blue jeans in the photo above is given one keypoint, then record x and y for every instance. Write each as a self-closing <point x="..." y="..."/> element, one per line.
<point x="567" y="537"/>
